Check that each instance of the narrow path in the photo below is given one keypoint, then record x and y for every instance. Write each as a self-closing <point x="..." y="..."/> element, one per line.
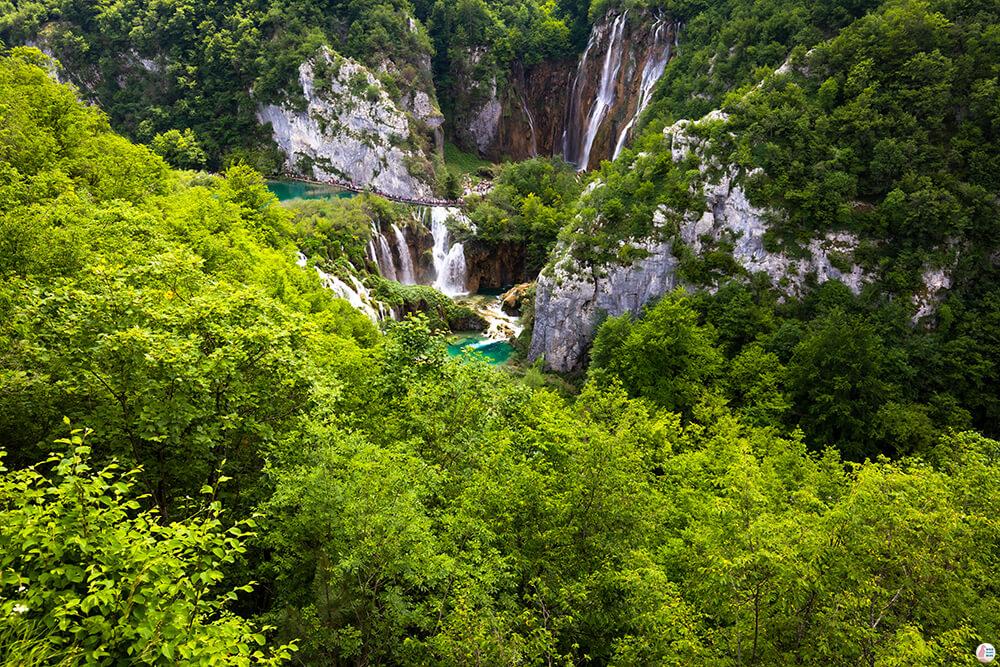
<point x="346" y="185"/>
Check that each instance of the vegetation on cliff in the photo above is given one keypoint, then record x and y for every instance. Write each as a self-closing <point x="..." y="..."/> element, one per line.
<point x="741" y="479"/>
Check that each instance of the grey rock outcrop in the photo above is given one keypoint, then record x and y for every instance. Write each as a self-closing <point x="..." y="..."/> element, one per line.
<point x="567" y="306"/>
<point x="349" y="128"/>
<point x="568" y="302"/>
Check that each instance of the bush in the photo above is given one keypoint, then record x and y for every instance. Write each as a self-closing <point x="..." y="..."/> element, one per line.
<point x="87" y="577"/>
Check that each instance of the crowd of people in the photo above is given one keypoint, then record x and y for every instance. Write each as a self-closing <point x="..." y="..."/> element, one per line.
<point x="347" y="185"/>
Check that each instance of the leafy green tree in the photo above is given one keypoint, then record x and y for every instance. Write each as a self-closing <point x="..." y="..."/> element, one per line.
<point x="180" y="149"/>
<point x="86" y="577"/>
<point x="837" y="378"/>
<point x="665" y="355"/>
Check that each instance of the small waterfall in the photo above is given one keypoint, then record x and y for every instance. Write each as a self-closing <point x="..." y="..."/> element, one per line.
<point x="383" y="253"/>
<point x="502" y="326"/>
<point x="531" y="125"/>
<point x="356" y="294"/>
<point x="659" y="55"/>
<point x="449" y="263"/>
<point x="405" y="274"/>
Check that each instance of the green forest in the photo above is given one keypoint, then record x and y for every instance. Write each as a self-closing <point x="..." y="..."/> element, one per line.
<point x="209" y="458"/>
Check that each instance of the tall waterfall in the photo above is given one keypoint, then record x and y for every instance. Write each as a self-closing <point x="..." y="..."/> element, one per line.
<point x="605" y="91"/>
<point x="570" y="139"/>
<point x="405" y="274"/>
<point x="449" y="263"/>
<point x="651" y="73"/>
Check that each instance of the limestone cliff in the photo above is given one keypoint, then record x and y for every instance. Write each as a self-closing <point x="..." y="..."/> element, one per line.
<point x="584" y="110"/>
<point x="349" y="128"/>
<point x="568" y="303"/>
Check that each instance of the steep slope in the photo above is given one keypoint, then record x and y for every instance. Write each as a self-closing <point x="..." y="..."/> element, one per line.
<point x="856" y="162"/>
<point x="349" y="128"/>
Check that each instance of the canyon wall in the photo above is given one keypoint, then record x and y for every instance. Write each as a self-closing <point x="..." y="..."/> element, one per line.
<point x="349" y="128"/>
<point x="584" y="110"/>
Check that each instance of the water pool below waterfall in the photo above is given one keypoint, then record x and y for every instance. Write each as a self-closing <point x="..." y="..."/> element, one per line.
<point x="495" y="352"/>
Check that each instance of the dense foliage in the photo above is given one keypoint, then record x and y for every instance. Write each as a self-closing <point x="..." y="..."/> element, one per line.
<point x="91" y="579"/>
<point x="694" y="504"/>
<point x="200" y="68"/>
<point x="893" y="133"/>
<point x="529" y="204"/>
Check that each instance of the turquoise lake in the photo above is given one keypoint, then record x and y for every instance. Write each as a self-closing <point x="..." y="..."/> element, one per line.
<point x="288" y="190"/>
<point x="495" y="352"/>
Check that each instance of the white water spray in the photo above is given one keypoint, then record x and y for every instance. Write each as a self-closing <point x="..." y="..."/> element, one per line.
<point x="449" y="263"/>
<point x="405" y="273"/>
<point x="657" y="62"/>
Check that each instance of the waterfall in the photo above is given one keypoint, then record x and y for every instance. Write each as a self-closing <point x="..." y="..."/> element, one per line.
<point x="658" y="56"/>
<point x="356" y="294"/>
<point x="531" y="125"/>
<point x="502" y="325"/>
<point x="405" y="261"/>
<point x="576" y="101"/>
<point x="605" y="91"/>
<point x="449" y="263"/>
<point x="383" y="254"/>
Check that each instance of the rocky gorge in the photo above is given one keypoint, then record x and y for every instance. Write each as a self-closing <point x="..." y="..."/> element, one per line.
<point x="584" y="110"/>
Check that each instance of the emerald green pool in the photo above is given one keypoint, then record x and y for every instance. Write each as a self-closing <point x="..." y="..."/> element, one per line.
<point x="495" y="352"/>
<point x="288" y="190"/>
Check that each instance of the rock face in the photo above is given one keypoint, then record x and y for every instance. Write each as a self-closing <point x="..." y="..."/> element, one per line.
<point x="568" y="304"/>
<point x="349" y="128"/>
<point x="533" y="111"/>
<point x="512" y="301"/>
<point x="582" y="109"/>
<point x="490" y="266"/>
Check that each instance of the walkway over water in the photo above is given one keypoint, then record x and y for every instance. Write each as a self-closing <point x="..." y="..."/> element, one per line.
<point x="352" y="187"/>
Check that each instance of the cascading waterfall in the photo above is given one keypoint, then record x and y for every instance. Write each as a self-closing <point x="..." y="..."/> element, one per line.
<point x="405" y="273"/>
<point x="356" y="294"/>
<point x="658" y="56"/>
<point x="501" y="325"/>
<point x="383" y="254"/>
<point x="606" y="91"/>
<point x="577" y="145"/>
<point x="449" y="262"/>
<point x="576" y="101"/>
